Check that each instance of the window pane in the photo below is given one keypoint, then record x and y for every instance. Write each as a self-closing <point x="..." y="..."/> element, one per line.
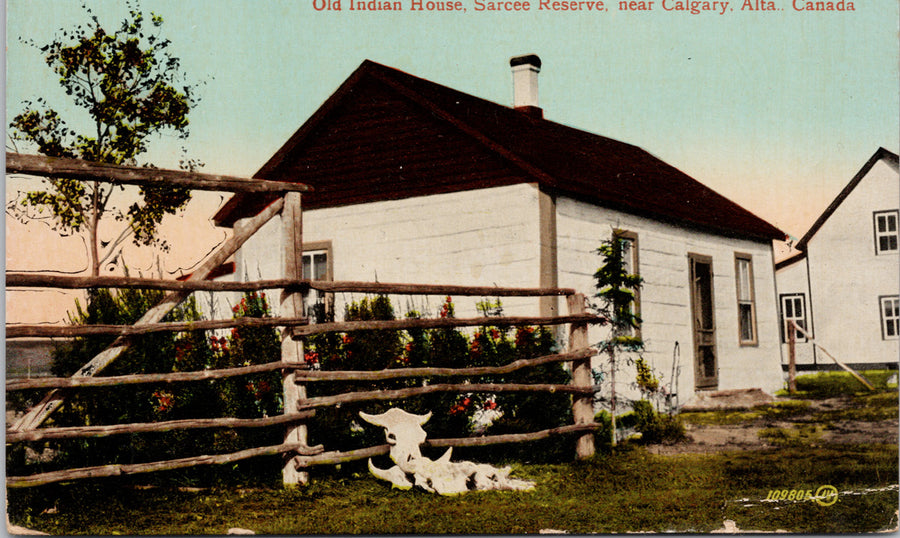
<point x="307" y="260"/>
<point x="627" y="255"/>
<point x="891" y="223"/>
<point x="882" y="223"/>
<point x="320" y="265"/>
<point x="743" y="280"/>
<point x="892" y="242"/>
<point x="789" y="308"/>
<point x="746" y="311"/>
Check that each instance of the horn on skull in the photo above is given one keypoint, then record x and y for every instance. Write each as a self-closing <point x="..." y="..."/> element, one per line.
<point x="446" y="457"/>
<point x="373" y="419"/>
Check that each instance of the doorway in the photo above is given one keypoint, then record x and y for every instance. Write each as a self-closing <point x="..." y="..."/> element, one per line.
<point x="706" y="369"/>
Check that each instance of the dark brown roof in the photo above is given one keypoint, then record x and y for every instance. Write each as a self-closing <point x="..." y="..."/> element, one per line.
<point x="882" y="153"/>
<point x="385" y="134"/>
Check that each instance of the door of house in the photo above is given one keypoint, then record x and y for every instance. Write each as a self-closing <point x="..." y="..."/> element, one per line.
<point x="706" y="370"/>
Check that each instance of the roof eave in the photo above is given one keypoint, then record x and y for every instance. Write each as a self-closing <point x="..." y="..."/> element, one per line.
<point x="880" y="154"/>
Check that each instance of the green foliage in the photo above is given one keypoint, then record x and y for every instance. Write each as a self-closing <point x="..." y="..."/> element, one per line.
<point x="131" y="87"/>
<point x="646" y="381"/>
<point x="830" y="384"/>
<point x="251" y="396"/>
<point x="656" y="427"/>
<point x="453" y="415"/>
<point x="616" y="290"/>
<point x="773" y="411"/>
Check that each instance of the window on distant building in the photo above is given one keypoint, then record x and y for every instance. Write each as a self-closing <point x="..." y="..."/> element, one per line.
<point x="317" y="265"/>
<point x="886" y="231"/>
<point x="743" y="266"/>
<point x="793" y="308"/>
<point x="890" y="317"/>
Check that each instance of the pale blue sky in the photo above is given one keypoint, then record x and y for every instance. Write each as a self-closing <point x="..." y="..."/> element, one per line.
<point x="774" y="110"/>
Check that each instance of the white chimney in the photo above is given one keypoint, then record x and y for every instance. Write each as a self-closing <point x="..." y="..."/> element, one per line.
<point x="525" y="71"/>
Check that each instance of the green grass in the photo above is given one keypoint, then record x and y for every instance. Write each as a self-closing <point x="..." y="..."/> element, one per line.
<point x="830" y="384"/>
<point x="629" y="490"/>
<point x="799" y="435"/>
<point x="772" y="411"/>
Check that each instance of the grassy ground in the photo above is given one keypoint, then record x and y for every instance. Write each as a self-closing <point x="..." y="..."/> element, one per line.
<point x="628" y="490"/>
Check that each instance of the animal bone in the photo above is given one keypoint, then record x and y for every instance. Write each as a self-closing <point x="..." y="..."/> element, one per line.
<point x="404" y="433"/>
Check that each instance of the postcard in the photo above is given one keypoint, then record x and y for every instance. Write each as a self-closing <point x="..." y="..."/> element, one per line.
<point x="290" y="267"/>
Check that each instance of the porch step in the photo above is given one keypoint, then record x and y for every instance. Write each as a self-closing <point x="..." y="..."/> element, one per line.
<point x="727" y="399"/>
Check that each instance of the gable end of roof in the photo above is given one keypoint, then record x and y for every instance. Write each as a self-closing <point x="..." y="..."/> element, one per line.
<point x="881" y="154"/>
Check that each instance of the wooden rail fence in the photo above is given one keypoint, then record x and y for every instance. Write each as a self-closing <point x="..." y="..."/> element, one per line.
<point x="296" y="374"/>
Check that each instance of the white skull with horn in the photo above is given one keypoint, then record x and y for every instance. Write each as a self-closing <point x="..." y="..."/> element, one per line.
<point x="404" y="434"/>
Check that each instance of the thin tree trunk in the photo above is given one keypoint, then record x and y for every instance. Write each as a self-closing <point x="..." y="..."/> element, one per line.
<point x="612" y="397"/>
<point x="93" y="233"/>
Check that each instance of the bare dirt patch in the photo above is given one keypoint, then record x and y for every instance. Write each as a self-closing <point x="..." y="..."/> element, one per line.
<point x="838" y="420"/>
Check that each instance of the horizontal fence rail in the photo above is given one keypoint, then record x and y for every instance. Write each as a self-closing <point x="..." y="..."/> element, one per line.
<point x="56" y="167"/>
<point x="69" y="331"/>
<point x="77" y="432"/>
<point x="300" y="376"/>
<point x="30" y="280"/>
<point x="168" y="465"/>
<point x="303" y="328"/>
<point x="397" y="394"/>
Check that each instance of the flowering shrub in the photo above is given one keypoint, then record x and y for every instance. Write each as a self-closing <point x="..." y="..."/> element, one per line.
<point x="453" y="414"/>
<point x="248" y="396"/>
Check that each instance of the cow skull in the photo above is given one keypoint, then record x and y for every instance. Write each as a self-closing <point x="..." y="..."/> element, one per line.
<point x="404" y="434"/>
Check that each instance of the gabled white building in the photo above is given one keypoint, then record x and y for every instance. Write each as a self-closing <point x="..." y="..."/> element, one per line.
<point x="843" y="285"/>
<point x="416" y="182"/>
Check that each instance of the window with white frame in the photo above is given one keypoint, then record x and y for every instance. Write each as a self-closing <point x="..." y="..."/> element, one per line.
<point x="890" y="317"/>
<point x="793" y="309"/>
<point x="316" y="266"/>
<point x="743" y="266"/>
<point x="886" y="231"/>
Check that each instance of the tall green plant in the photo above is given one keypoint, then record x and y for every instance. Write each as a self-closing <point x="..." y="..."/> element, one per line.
<point x="616" y="289"/>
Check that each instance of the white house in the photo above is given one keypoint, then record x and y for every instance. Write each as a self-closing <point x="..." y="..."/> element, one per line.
<point x="416" y="182"/>
<point x="843" y="285"/>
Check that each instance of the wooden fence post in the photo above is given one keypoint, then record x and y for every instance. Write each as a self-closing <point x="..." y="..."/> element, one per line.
<point x="792" y="357"/>
<point x="583" y="407"/>
<point x="291" y="348"/>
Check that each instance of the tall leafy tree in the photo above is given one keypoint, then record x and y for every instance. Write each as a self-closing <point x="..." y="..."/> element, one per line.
<point x="132" y="87"/>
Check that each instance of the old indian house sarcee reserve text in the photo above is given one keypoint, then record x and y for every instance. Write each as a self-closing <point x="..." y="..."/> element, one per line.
<point x="694" y="7"/>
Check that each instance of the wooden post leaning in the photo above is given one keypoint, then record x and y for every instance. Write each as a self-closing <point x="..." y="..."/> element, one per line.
<point x="55" y="398"/>
<point x="792" y="357"/>
<point x="291" y="348"/>
<point x="582" y="407"/>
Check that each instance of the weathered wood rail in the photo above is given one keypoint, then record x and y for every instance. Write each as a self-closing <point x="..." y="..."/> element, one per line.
<point x="299" y="285"/>
<point x="303" y="375"/>
<point x="302" y="328"/>
<point x="57" y="167"/>
<point x="298" y="408"/>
